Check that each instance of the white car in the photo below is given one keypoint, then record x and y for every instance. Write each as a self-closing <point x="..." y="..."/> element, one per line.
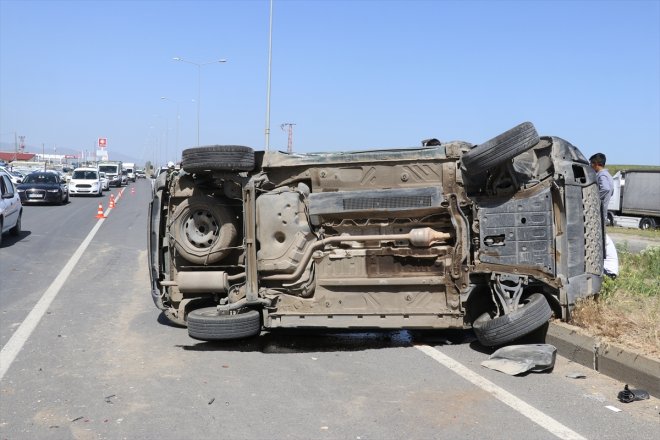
<point x="85" y="181"/>
<point x="105" y="182"/>
<point x="11" y="209"/>
<point x="14" y="176"/>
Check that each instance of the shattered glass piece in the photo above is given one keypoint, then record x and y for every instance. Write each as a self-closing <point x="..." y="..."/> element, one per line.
<point x="576" y="376"/>
<point x="517" y="359"/>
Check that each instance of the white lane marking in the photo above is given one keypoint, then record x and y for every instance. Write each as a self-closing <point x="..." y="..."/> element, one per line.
<point x="533" y="414"/>
<point x="19" y="338"/>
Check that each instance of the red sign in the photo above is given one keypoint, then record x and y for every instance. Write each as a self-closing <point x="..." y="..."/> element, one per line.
<point x="71" y="156"/>
<point x="103" y="142"/>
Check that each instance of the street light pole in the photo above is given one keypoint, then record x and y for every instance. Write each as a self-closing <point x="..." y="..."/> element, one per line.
<point x="270" y="63"/>
<point x="177" y="123"/>
<point x="199" y="83"/>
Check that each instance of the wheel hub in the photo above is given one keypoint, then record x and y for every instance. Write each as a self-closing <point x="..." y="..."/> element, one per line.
<point x="201" y="229"/>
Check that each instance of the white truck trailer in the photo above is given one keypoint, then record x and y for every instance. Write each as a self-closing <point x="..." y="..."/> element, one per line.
<point x="636" y="199"/>
<point x="129" y="167"/>
<point x="113" y="170"/>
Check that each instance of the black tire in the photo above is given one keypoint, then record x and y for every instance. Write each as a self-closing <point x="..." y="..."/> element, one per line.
<point x="203" y="230"/>
<point x="16" y="230"/>
<point x="504" y="329"/>
<point x="207" y="325"/>
<point x="501" y="148"/>
<point x="218" y="158"/>
<point x="646" y="223"/>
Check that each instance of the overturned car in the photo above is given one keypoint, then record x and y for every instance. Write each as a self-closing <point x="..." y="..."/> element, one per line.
<point x="498" y="236"/>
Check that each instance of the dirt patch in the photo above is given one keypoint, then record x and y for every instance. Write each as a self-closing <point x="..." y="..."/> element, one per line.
<point x="627" y="311"/>
<point x="632" y="324"/>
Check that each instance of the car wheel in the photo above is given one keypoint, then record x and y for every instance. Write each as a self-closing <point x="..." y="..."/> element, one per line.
<point x="209" y="325"/>
<point x="218" y="158"/>
<point x="646" y="223"/>
<point x="16" y="230"/>
<point x="203" y="230"/>
<point x="533" y="313"/>
<point x="501" y="148"/>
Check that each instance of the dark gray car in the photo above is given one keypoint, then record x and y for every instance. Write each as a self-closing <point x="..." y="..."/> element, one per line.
<point x="498" y="236"/>
<point x="43" y="187"/>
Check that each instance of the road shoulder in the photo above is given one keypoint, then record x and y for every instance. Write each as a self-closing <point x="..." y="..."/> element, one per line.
<point x="626" y="365"/>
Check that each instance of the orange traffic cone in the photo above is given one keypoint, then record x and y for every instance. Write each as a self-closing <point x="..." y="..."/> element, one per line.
<point x="99" y="213"/>
<point x="132" y="190"/>
<point x="112" y="201"/>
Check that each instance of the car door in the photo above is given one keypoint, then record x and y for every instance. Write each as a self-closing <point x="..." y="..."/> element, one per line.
<point x="10" y="202"/>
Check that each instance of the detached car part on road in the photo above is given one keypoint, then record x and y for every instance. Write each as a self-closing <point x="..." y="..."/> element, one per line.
<point x="497" y="236"/>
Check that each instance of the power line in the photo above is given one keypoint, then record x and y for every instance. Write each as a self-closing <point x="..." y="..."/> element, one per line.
<point x="288" y="126"/>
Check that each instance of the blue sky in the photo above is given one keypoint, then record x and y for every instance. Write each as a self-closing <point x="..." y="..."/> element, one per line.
<point x="349" y="74"/>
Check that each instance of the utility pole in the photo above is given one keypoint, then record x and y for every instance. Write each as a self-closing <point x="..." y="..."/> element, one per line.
<point x="270" y="65"/>
<point x="288" y="126"/>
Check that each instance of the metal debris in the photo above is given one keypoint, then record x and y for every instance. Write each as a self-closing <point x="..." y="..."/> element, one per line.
<point x="518" y="359"/>
<point x="628" y="395"/>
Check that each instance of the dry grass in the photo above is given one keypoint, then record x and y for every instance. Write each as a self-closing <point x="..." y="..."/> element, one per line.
<point x="627" y="311"/>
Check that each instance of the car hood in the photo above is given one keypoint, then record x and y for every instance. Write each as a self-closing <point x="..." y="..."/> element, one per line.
<point x="88" y="181"/>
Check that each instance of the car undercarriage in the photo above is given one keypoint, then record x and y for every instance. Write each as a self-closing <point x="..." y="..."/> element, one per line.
<point x="498" y="236"/>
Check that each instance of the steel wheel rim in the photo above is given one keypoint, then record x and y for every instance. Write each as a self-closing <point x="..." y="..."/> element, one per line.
<point x="201" y="229"/>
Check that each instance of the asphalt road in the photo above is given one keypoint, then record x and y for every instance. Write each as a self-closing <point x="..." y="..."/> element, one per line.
<point x="633" y="243"/>
<point x="101" y="363"/>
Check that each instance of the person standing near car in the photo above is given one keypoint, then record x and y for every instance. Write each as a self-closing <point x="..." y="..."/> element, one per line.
<point x="605" y="182"/>
<point x="605" y="191"/>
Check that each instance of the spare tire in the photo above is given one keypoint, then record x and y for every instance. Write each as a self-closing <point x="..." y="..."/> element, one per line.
<point x="218" y="158"/>
<point x="203" y="230"/>
<point x="501" y="148"/>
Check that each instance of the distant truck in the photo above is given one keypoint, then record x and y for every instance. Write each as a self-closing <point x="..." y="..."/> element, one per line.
<point x="112" y="170"/>
<point x="130" y="170"/>
<point x="636" y="199"/>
